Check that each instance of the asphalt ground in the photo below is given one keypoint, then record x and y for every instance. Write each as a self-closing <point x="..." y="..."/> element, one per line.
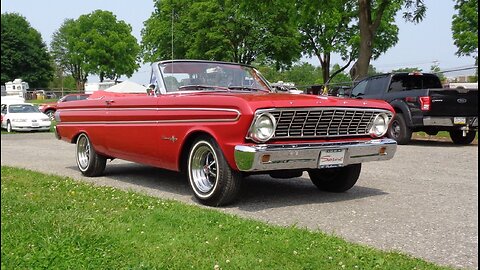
<point x="423" y="202"/>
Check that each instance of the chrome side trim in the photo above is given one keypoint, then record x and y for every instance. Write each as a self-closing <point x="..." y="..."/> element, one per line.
<point x="156" y="121"/>
<point x="148" y="121"/>
<point x="306" y="156"/>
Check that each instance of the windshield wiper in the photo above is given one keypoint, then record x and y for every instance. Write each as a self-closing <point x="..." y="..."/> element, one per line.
<point x="245" y="88"/>
<point x="202" y="87"/>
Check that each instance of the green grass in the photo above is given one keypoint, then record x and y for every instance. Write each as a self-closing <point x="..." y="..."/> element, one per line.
<point x="53" y="222"/>
<point x="441" y="134"/>
<point x="41" y="101"/>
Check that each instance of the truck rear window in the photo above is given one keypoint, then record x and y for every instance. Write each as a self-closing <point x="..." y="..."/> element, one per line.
<point x="402" y="82"/>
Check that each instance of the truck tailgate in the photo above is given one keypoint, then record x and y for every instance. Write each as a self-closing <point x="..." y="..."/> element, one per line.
<point x="453" y="102"/>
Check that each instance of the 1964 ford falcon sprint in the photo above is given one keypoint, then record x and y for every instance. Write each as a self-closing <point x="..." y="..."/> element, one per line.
<point x="220" y="121"/>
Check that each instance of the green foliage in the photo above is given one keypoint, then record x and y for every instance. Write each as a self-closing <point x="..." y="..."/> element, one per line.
<point x="301" y="74"/>
<point x="69" y="53"/>
<point x="465" y="27"/>
<point x="437" y="71"/>
<point x="377" y="29"/>
<point x="225" y="30"/>
<point x="24" y="54"/>
<point x="52" y="222"/>
<point x="95" y="43"/>
<point x="408" y="69"/>
<point x="341" y="78"/>
<point x="60" y="80"/>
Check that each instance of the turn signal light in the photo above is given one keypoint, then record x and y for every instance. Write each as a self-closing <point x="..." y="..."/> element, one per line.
<point x="265" y="158"/>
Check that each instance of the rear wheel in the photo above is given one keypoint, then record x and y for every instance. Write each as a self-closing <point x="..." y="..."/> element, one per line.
<point x="9" y="126"/>
<point x="335" y="179"/>
<point x="88" y="161"/>
<point x="212" y="180"/>
<point x="399" y="131"/>
<point x="457" y="137"/>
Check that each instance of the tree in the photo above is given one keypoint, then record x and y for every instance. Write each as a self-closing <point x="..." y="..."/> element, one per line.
<point x="24" y="54"/>
<point x="325" y="28"/>
<point x="465" y="27"/>
<point x="329" y="26"/>
<point x="69" y="52"/>
<point x="225" y="30"/>
<point x="371" y="14"/>
<point x="95" y="43"/>
<point x="111" y="49"/>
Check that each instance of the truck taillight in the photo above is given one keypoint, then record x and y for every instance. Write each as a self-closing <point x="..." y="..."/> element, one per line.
<point x="425" y="103"/>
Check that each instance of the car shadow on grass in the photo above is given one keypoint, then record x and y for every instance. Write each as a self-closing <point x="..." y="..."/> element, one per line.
<point x="258" y="192"/>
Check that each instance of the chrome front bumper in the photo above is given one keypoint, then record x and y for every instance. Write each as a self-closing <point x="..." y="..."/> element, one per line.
<point x="253" y="158"/>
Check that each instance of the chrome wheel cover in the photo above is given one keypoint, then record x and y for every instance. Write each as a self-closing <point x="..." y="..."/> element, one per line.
<point x="9" y="127"/>
<point x="83" y="152"/>
<point x="203" y="169"/>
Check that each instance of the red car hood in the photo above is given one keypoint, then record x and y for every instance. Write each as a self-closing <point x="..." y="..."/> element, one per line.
<point x="279" y="100"/>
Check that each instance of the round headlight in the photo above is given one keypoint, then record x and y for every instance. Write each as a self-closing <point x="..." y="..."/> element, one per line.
<point x="264" y="128"/>
<point x="379" y="125"/>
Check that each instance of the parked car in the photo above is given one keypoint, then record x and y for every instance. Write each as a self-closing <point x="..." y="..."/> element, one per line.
<point x="421" y="104"/>
<point x="50" y="108"/>
<point x="218" y="122"/>
<point x="23" y="117"/>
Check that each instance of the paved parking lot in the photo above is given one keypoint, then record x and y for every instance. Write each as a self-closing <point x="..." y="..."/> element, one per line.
<point x="423" y="202"/>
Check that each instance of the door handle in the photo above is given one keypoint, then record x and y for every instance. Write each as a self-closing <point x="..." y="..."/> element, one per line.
<point x="109" y="102"/>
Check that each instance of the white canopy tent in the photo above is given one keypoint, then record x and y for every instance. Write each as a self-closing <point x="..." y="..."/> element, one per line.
<point x="127" y="87"/>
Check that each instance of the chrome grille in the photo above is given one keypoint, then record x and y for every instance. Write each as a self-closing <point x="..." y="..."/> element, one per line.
<point x="323" y="122"/>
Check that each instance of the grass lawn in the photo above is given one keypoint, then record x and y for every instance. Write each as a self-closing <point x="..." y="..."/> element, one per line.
<point x="53" y="222"/>
<point x="41" y="101"/>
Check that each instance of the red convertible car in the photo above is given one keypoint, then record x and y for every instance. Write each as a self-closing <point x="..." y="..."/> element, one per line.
<point x="219" y="121"/>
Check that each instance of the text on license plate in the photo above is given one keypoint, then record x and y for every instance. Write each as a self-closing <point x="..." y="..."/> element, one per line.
<point x="459" y="120"/>
<point x="331" y="158"/>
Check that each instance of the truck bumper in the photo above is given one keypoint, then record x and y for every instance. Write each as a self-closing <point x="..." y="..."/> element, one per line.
<point x="450" y="121"/>
<point x="269" y="157"/>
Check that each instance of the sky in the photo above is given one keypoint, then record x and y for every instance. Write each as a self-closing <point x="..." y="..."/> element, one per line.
<point x="420" y="45"/>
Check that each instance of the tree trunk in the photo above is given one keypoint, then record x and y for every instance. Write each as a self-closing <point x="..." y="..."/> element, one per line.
<point x="360" y="68"/>
<point x="325" y="64"/>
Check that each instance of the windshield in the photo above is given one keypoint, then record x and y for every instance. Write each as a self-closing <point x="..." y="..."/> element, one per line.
<point x="187" y="76"/>
<point x="22" y="108"/>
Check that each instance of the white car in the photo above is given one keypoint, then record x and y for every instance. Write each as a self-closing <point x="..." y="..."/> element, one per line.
<point x="24" y="117"/>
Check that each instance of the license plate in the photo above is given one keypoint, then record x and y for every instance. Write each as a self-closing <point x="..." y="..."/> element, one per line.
<point x="331" y="158"/>
<point x="459" y="120"/>
<point x="34" y="124"/>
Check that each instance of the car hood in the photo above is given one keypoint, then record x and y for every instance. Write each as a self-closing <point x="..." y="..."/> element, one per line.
<point x="280" y="100"/>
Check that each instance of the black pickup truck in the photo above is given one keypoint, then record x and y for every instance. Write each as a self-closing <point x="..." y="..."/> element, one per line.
<point x="421" y="104"/>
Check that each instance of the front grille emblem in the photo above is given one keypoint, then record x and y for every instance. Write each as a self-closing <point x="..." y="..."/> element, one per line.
<point x="462" y="100"/>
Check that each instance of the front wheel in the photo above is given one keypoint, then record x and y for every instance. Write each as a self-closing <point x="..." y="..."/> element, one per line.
<point x="399" y="131"/>
<point x="51" y="114"/>
<point x="457" y="137"/>
<point x="212" y="180"/>
<point x="9" y="126"/>
<point x="88" y="161"/>
<point x="336" y="179"/>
